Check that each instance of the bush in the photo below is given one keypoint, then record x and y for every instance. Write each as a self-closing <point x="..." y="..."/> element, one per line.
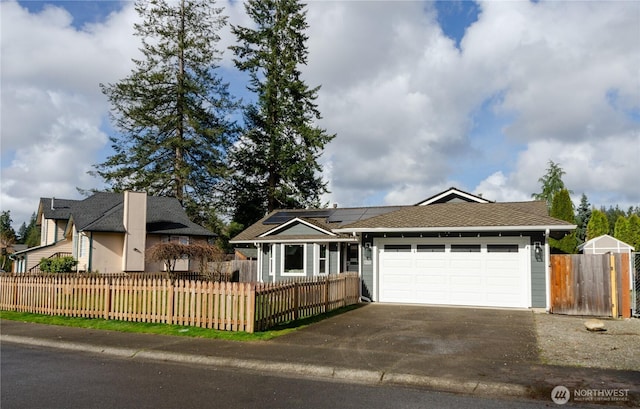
<point x="58" y="265"/>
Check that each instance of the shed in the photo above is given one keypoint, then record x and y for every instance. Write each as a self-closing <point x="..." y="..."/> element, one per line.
<point x="605" y="244"/>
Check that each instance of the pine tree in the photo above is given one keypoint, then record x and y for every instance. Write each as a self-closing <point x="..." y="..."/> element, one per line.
<point x="7" y="239"/>
<point x="582" y="218"/>
<point x="598" y="224"/>
<point x="276" y="162"/>
<point x="562" y="208"/>
<point x="612" y="213"/>
<point x="172" y="112"/>
<point x="551" y="183"/>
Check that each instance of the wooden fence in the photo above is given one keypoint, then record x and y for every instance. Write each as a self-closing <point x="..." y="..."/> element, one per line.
<point x="277" y="303"/>
<point x="587" y="284"/>
<point x="226" y="306"/>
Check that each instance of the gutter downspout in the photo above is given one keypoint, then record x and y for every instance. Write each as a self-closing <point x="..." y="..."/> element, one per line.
<point x="547" y="270"/>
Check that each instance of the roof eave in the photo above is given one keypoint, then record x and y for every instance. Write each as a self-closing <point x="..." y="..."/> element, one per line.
<point x="279" y="239"/>
<point x="455" y="229"/>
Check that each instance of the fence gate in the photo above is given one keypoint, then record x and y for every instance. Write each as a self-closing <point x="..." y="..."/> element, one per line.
<point x="586" y="284"/>
<point x="635" y="289"/>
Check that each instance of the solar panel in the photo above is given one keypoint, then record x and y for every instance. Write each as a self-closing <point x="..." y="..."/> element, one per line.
<point x="285" y="216"/>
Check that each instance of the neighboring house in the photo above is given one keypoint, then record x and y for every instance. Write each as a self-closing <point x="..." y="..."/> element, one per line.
<point x="454" y="248"/>
<point x="109" y="232"/>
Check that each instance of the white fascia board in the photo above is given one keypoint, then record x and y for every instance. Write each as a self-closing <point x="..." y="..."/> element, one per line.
<point x="454" y="191"/>
<point x="292" y="221"/>
<point x="279" y="239"/>
<point x="452" y="229"/>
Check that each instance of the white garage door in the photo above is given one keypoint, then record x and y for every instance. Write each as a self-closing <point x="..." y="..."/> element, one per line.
<point x="478" y="272"/>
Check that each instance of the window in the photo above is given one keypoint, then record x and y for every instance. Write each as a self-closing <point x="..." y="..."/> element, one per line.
<point x="430" y="248"/>
<point x="323" y="265"/>
<point x="465" y="248"/>
<point x="397" y="248"/>
<point x="502" y="248"/>
<point x="293" y="259"/>
<point x="272" y="262"/>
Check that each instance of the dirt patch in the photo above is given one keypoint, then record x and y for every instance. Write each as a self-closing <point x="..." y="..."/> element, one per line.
<point x="564" y="340"/>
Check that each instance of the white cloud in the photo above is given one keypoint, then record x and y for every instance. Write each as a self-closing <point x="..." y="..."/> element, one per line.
<point x="413" y="114"/>
<point x="52" y="107"/>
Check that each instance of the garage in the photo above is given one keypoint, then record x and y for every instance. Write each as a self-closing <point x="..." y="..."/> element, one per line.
<point x="491" y="272"/>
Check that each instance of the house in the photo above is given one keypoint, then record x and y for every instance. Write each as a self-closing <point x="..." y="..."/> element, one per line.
<point x="454" y="248"/>
<point x="109" y="232"/>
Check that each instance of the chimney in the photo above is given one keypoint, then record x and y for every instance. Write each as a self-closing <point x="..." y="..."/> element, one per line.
<point x="52" y="200"/>
<point x="134" y="220"/>
<point x="335" y="205"/>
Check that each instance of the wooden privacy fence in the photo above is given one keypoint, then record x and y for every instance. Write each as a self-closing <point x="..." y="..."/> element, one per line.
<point x="222" y="306"/>
<point x="590" y="284"/>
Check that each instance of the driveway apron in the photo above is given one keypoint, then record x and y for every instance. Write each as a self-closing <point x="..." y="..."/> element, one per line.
<point x="442" y="341"/>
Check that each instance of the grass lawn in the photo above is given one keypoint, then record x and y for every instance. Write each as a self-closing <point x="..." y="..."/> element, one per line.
<point x="166" y="329"/>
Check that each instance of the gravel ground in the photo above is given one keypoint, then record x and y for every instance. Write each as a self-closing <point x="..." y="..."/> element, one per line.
<point x="564" y="340"/>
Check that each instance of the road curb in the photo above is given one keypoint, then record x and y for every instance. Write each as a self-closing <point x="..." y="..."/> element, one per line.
<point x="360" y="376"/>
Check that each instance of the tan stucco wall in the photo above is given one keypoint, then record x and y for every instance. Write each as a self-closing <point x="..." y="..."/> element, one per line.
<point x="135" y="224"/>
<point x="107" y="252"/>
<point x="153" y="266"/>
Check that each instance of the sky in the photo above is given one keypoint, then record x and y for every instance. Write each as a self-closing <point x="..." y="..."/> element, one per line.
<point x="422" y="96"/>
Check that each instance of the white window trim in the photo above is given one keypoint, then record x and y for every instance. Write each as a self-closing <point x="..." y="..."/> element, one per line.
<point x="304" y="260"/>
<point x="316" y="258"/>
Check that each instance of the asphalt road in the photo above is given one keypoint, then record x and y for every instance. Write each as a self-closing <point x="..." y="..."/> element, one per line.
<point x="35" y="377"/>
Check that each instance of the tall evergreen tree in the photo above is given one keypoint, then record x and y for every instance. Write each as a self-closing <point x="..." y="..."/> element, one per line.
<point x="582" y="218"/>
<point x="612" y="213"/>
<point x="172" y="112"/>
<point x="276" y="162"/>
<point x="7" y="239"/>
<point x="598" y="224"/>
<point x="562" y="208"/>
<point x="551" y="183"/>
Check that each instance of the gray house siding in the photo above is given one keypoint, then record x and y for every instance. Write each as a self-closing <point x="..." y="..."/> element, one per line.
<point x="298" y="229"/>
<point x="538" y="278"/>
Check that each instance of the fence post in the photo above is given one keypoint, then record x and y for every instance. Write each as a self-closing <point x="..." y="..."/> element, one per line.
<point x="326" y="294"/>
<point x="614" y="287"/>
<point x="296" y="301"/>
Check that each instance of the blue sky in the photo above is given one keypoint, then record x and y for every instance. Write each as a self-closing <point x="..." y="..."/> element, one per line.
<point x="422" y="96"/>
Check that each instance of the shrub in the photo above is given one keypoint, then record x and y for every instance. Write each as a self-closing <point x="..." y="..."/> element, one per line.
<point x="58" y="265"/>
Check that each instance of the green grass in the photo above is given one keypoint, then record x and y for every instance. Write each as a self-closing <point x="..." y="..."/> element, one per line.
<point x="166" y="329"/>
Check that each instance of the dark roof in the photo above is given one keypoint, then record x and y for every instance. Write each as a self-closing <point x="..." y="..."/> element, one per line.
<point x="465" y="215"/>
<point x="453" y="215"/>
<point x="59" y="210"/>
<point x="104" y="211"/>
<point x="325" y="219"/>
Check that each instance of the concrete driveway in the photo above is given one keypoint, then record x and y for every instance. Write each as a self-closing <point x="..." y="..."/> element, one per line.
<point x="418" y="339"/>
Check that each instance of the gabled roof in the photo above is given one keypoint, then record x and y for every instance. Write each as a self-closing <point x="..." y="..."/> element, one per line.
<point x="453" y="195"/>
<point x="463" y="217"/>
<point x="452" y="210"/>
<point x="606" y="242"/>
<point x="104" y="211"/>
<point x="56" y="209"/>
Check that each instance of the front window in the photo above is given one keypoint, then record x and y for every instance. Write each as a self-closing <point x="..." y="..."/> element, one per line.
<point x="323" y="266"/>
<point x="293" y="261"/>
